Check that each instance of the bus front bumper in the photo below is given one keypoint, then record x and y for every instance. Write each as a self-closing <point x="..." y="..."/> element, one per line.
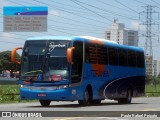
<point x="46" y="93"/>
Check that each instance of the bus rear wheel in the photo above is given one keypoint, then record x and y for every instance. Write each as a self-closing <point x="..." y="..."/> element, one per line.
<point x="86" y="99"/>
<point x="128" y="98"/>
<point x="45" y="103"/>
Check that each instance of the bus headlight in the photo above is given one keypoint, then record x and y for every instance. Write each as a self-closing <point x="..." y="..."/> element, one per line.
<point x="63" y="86"/>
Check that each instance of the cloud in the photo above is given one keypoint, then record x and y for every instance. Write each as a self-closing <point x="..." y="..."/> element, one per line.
<point x="9" y="41"/>
<point x="5" y="34"/>
<point x="53" y="12"/>
<point x="137" y="26"/>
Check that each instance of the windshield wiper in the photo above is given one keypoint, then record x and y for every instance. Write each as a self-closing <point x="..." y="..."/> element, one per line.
<point x="33" y="74"/>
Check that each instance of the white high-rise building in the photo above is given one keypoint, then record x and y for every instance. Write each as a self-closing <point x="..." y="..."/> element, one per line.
<point x="119" y="34"/>
<point x="156" y="68"/>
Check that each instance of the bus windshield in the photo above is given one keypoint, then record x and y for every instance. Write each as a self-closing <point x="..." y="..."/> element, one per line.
<point x="45" y="60"/>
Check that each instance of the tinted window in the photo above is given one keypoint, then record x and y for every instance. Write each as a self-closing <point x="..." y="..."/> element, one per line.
<point x="132" y="58"/>
<point x="123" y="60"/>
<point x="90" y="53"/>
<point x="113" y="57"/>
<point x="96" y="54"/>
<point x="102" y="54"/>
<point x="140" y="59"/>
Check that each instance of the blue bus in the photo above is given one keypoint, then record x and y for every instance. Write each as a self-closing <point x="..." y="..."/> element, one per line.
<point x="80" y="68"/>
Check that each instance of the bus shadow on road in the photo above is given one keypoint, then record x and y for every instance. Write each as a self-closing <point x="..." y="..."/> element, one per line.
<point x="78" y="106"/>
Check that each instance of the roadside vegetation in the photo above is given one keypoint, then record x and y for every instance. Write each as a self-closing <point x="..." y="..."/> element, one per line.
<point x="10" y="94"/>
<point x="152" y="87"/>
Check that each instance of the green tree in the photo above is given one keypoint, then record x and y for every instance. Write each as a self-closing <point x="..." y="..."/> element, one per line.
<point x="6" y="64"/>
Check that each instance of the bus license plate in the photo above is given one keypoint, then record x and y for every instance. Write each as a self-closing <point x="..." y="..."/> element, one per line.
<point x="41" y="95"/>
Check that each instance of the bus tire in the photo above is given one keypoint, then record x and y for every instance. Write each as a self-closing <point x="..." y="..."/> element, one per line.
<point x="95" y="101"/>
<point x="45" y="103"/>
<point x="121" y="100"/>
<point x="128" y="98"/>
<point x="86" y="99"/>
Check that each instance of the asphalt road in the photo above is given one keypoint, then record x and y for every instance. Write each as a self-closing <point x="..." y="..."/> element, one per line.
<point x="138" y="109"/>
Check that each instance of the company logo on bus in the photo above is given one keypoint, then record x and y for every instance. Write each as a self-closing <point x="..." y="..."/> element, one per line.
<point x="52" y="46"/>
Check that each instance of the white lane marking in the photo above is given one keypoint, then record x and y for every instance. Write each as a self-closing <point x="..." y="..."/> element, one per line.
<point x="111" y="118"/>
<point x="107" y="118"/>
<point x="148" y="110"/>
<point x="69" y="118"/>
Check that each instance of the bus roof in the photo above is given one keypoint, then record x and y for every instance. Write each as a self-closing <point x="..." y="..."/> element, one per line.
<point x="67" y="38"/>
<point x="51" y="38"/>
<point x="107" y="42"/>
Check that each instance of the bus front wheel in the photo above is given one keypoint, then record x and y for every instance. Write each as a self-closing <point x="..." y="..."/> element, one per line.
<point x="45" y="103"/>
<point x="86" y="98"/>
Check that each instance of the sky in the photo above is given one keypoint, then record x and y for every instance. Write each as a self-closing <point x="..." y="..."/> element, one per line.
<point x="85" y="18"/>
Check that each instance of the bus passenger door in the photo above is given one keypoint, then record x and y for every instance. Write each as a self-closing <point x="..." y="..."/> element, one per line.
<point x="76" y="73"/>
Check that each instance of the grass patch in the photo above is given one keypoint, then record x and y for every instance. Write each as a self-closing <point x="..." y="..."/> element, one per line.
<point x="10" y="94"/>
<point x="151" y="90"/>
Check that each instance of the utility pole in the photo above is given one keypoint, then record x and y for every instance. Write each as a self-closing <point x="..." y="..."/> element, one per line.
<point x="147" y="13"/>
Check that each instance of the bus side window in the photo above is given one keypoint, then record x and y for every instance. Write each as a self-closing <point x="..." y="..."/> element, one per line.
<point x="123" y="60"/>
<point x="113" y="56"/>
<point x="90" y="53"/>
<point x="140" y="59"/>
<point x="102" y="55"/>
<point x="132" y="58"/>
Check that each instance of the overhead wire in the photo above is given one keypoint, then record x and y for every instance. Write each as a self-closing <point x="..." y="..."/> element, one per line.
<point x="80" y="22"/>
<point x="77" y="25"/>
<point x="67" y="28"/>
<point x="140" y="2"/>
<point x="110" y="5"/>
<point x="79" y="3"/>
<point x="70" y="6"/>
<point x="90" y="10"/>
<point x="101" y="9"/>
<point x="156" y="2"/>
<point x="68" y="11"/>
<point x="126" y="6"/>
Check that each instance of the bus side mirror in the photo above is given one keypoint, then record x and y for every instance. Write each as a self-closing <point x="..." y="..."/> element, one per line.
<point x="13" y="55"/>
<point x="70" y="55"/>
